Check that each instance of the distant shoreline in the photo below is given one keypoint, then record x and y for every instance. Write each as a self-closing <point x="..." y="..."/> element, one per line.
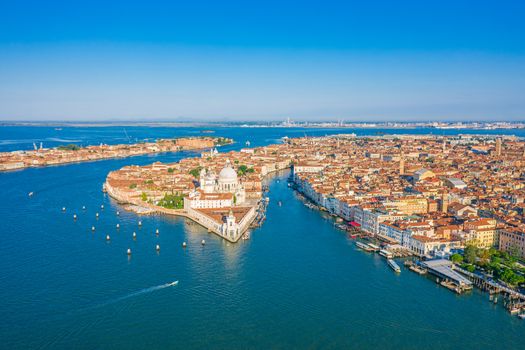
<point x="471" y="125"/>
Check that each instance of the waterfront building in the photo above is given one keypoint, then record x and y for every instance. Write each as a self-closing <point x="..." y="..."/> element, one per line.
<point x="512" y="240"/>
<point x="481" y="232"/>
<point x="431" y="246"/>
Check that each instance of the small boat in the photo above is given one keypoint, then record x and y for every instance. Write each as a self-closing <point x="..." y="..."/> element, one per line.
<point x="393" y="265"/>
<point x="522" y="316"/>
<point x="280" y="203"/>
<point x="30" y="194"/>
<point x="174" y="283"/>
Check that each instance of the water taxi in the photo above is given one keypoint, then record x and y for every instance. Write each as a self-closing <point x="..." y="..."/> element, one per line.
<point x="393" y="265"/>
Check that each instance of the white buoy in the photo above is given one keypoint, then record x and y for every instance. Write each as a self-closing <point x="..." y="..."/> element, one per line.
<point x="140" y="223"/>
<point x="129" y="251"/>
<point x="63" y="208"/>
<point x="134" y="235"/>
<point x="183" y="244"/>
<point x="203" y="242"/>
<point x="108" y="238"/>
<point x="118" y="226"/>
<point x="92" y="228"/>
<point x="118" y="212"/>
<point x="157" y="231"/>
<point x="74" y="216"/>
<point x="157" y="247"/>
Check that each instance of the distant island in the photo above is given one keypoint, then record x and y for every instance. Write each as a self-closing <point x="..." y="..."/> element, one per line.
<point x="74" y="153"/>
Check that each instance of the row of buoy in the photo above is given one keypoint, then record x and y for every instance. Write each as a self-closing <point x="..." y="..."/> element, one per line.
<point x="157" y="248"/>
<point x="84" y="208"/>
<point x="108" y="237"/>
<point x="184" y="244"/>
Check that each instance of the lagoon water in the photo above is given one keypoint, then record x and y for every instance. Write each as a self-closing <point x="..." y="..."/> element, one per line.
<point x="298" y="283"/>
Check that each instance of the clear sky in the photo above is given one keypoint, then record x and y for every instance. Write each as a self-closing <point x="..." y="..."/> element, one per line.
<point x="261" y="60"/>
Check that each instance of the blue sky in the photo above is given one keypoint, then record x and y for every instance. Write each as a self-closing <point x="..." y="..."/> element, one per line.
<point x="240" y="60"/>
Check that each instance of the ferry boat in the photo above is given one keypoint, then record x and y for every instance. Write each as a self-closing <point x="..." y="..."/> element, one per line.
<point x="393" y="265"/>
<point x="374" y="247"/>
<point x="386" y="254"/>
<point x="363" y="246"/>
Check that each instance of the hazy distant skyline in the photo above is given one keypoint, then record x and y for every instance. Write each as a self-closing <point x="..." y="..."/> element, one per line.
<point x="227" y="61"/>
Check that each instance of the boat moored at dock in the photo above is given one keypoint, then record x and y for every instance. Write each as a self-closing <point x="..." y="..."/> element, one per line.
<point x="385" y="253"/>
<point x="363" y="246"/>
<point x="393" y="265"/>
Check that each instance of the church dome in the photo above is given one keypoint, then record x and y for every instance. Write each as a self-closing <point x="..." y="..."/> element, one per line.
<point x="227" y="174"/>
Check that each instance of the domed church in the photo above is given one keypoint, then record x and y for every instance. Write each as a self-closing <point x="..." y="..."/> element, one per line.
<point x="226" y="182"/>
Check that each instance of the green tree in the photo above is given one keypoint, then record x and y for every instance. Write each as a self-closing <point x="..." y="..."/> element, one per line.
<point x="470" y="254"/>
<point x="144" y="196"/>
<point x="70" y="147"/>
<point x="241" y="170"/>
<point x="456" y="258"/>
<point x="195" y="172"/>
<point x="172" y="201"/>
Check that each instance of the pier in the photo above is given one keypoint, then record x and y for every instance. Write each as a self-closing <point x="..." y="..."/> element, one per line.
<point x="443" y="269"/>
<point x="514" y="301"/>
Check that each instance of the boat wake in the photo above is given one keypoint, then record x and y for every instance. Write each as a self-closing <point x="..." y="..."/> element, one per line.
<point x="134" y="294"/>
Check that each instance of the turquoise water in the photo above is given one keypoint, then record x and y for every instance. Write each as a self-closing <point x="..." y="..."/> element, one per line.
<point x="298" y="283"/>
